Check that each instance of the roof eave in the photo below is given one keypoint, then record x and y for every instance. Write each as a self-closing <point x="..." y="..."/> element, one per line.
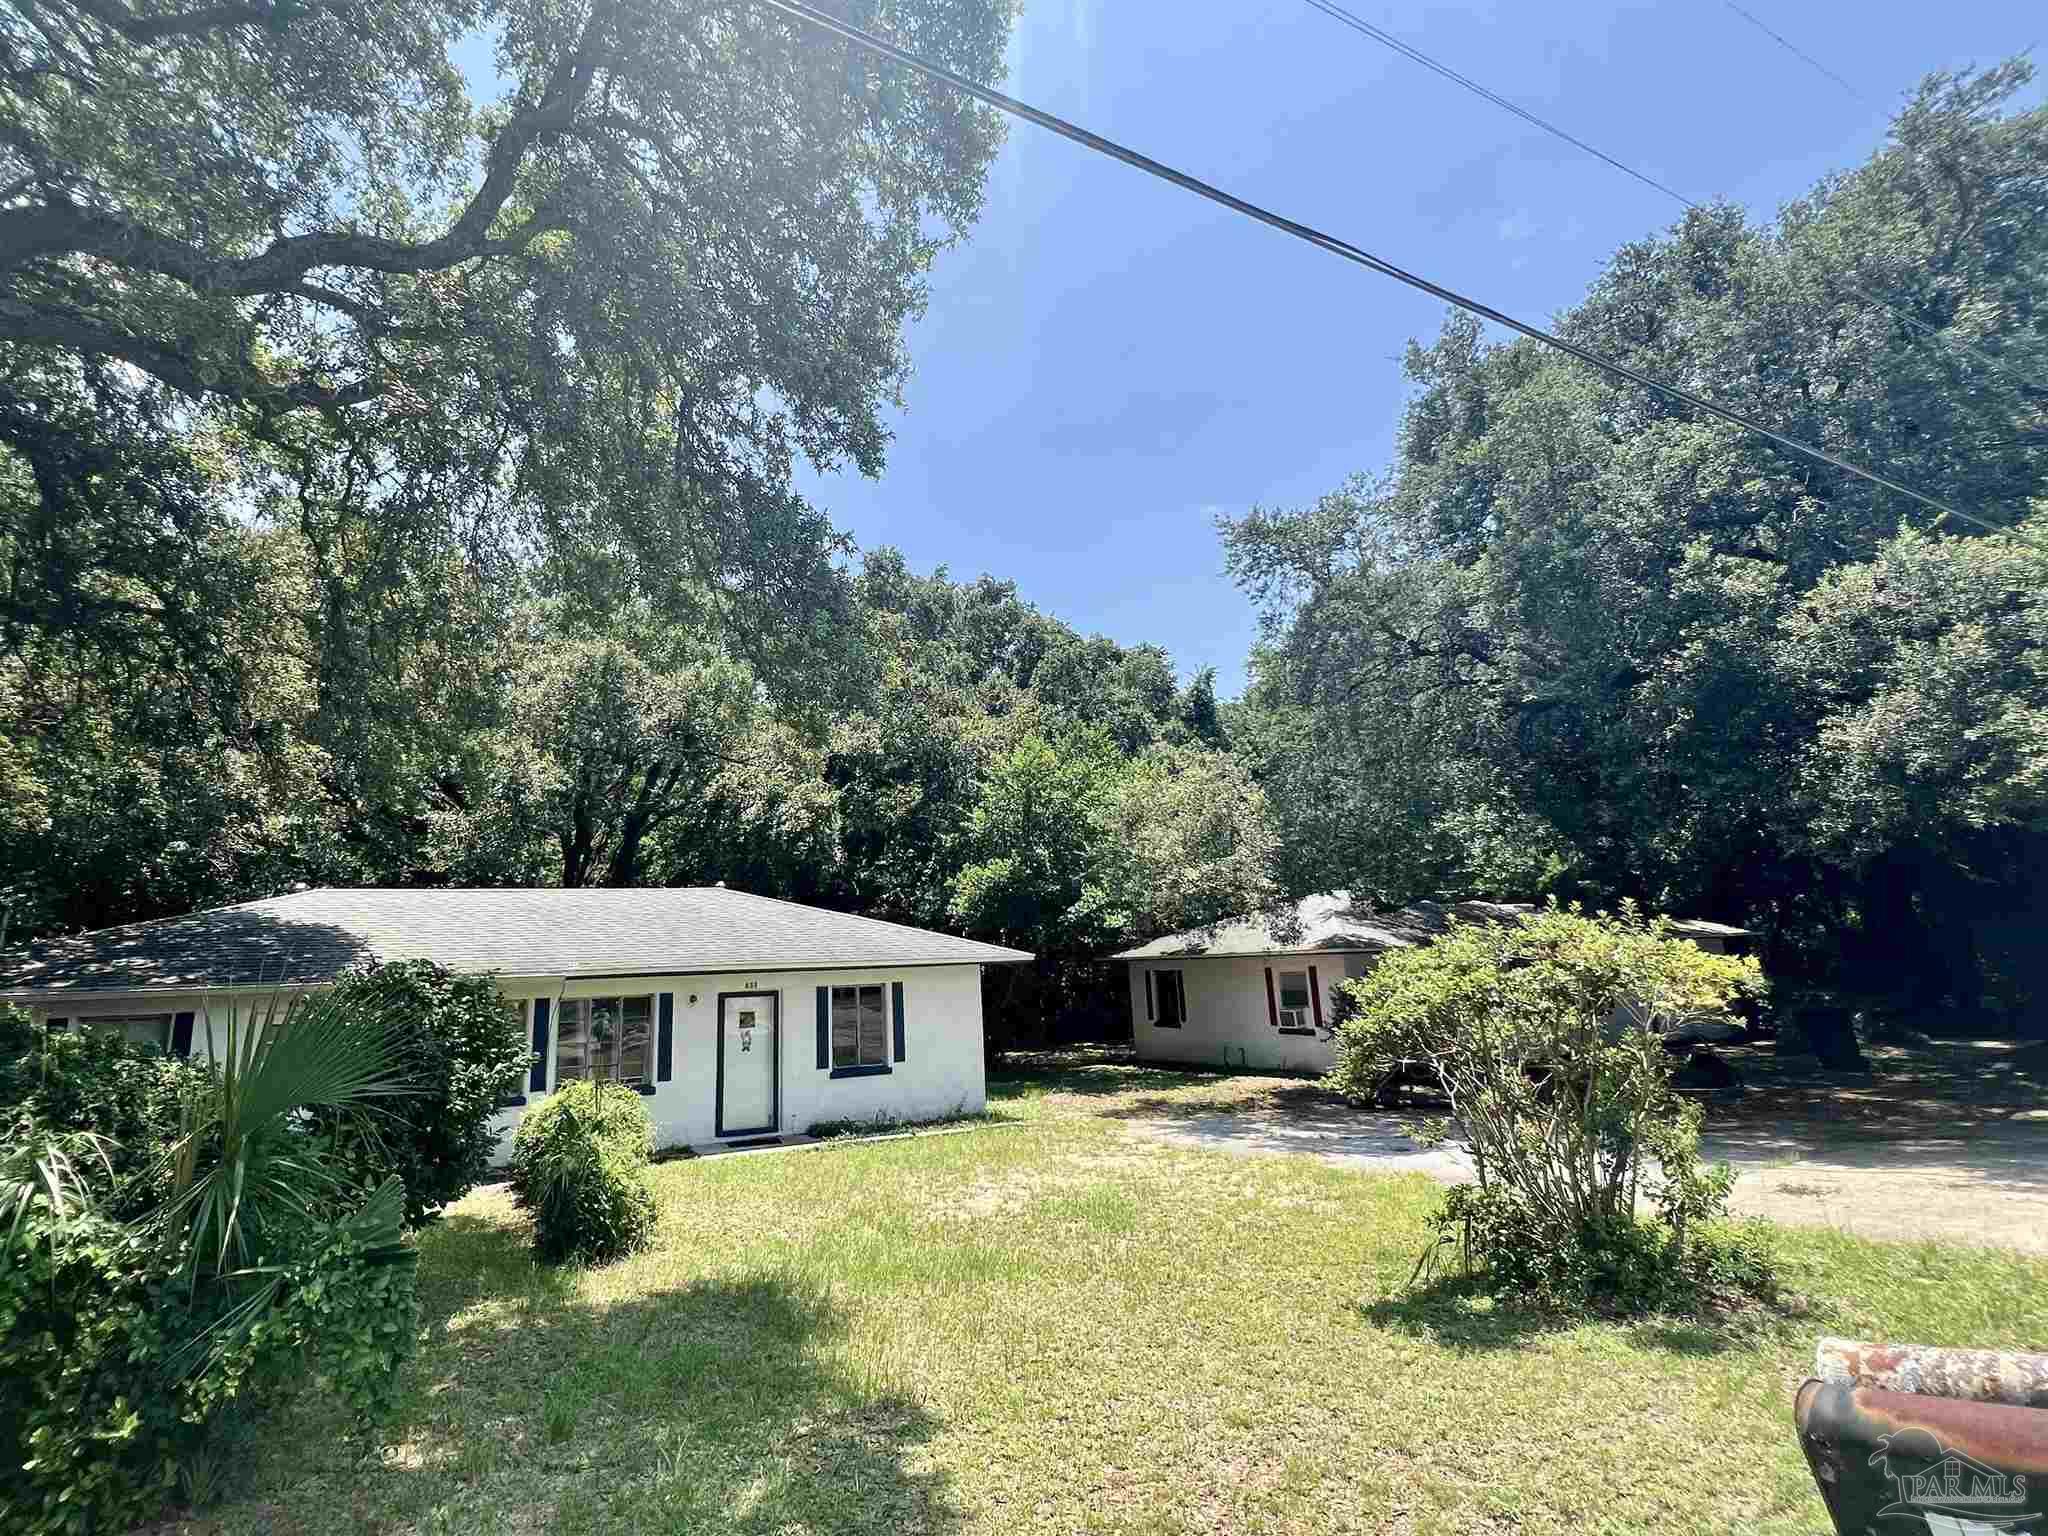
<point x="184" y="985"/>
<point x="1256" y="954"/>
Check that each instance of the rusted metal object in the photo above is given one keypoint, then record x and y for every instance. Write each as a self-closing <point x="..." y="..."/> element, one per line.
<point x="1975" y="1375"/>
<point x="1903" y="1464"/>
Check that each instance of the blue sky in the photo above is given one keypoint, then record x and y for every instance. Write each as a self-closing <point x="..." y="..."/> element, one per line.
<point x="1108" y="363"/>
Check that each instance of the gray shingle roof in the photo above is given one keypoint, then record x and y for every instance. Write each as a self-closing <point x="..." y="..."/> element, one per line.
<point x="1329" y="921"/>
<point x="1332" y="921"/>
<point x="312" y="936"/>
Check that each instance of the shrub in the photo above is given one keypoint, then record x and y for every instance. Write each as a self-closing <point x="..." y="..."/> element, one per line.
<point x="462" y="1051"/>
<point x="1545" y="1035"/>
<point x="579" y="1164"/>
<point x="1623" y="1264"/>
<point x="245" y="1262"/>
<point x="131" y="1095"/>
<point x="114" y="1367"/>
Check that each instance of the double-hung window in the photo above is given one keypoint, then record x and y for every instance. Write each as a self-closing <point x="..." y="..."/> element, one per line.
<point x="603" y="1039"/>
<point x="860" y="1029"/>
<point x="1294" y="1012"/>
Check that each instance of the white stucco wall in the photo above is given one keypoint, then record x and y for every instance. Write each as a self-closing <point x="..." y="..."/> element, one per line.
<point x="941" y="1073"/>
<point x="1228" y="1023"/>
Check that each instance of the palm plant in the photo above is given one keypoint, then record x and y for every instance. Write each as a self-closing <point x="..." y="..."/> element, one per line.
<point x="243" y="1168"/>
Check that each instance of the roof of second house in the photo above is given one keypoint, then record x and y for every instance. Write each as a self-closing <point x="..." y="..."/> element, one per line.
<point x="1332" y="921"/>
<point x="313" y="936"/>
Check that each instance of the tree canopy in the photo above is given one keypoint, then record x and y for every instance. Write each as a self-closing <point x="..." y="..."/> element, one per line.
<point x="605" y="297"/>
<point x="1581" y="639"/>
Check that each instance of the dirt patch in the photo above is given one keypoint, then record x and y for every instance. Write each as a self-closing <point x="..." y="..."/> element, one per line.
<point x="1947" y="1142"/>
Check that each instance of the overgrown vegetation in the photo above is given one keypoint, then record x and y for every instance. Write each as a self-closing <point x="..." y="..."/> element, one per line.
<point x="94" y="1084"/>
<point x="462" y="1052"/>
<point x="579" y="1166"/>
<point x="193" y="1269"/>
<point x="1546" y="1037"/>
<point x="1580" y="639"/>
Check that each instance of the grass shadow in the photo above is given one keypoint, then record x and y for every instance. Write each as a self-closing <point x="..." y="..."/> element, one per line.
<point x="1091" y="1073"/>
<point x="1457" y="1313"/>
<point x="1305" y="1100"/>
<point x="1716" y="1333"/>
<point x="716" y="1405"/>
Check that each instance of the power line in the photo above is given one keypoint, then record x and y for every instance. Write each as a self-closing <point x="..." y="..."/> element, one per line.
<point x="1408" y="50"/>
<point x="1794" y="49"/>
<point x="1358" y="23"/>
<point x="800" y="10"/>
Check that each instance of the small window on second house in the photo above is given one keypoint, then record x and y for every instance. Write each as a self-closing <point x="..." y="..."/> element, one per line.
<point x="1294" y="1003"/>
<point x="860" y="1032"/>
<point x="1171" y="993"/>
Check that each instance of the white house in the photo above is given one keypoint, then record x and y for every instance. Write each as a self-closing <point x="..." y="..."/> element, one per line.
<point x="737" y="1016"/>
<point x="1257" y="991"/>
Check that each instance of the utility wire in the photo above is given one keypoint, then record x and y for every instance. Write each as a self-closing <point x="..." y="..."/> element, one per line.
<point x="1359" y="24"/>
<point x="801" y="10"/>
<point x="1794" y="49"/>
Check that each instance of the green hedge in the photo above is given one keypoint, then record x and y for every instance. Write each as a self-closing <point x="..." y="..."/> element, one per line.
<point x="463" y="1049"/>
<point x="579" y="1163"/>
<point x="80" y="1081"/>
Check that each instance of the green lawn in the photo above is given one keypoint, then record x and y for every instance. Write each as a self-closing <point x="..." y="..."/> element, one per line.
<point x="1051" y="1325"/>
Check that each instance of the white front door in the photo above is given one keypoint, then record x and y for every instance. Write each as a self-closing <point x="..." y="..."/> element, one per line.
<point x="747" y="1053"/>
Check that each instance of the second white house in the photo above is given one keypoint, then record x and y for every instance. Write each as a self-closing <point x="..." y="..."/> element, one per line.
<point x="1257" y="991"/>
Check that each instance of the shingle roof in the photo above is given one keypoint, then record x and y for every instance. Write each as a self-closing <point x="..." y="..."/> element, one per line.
<point x="312" y="936"/>
<point x="1332" y="921"/>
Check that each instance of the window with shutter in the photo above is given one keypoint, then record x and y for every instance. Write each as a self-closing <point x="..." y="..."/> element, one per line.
<point x="606" y="1040"/>
<point x="1295" y="1017"/>
<point x="135" y="1028"/>
<point x="860" y="1029"/>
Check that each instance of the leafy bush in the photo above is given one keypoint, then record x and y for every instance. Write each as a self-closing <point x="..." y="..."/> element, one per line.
<point x="462" y="1050"/>
<point x="114" y="1367"/>
<point x="1621" y="1264"/>
<point x="131" y="1095"/>
<point x="579" y="1164"/>
<point x="246" y="1260"/>
<point x="1545" y="1035"/>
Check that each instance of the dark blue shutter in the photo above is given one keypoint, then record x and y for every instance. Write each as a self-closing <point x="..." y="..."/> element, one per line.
<point x="181" y="1034"/>
<point x="1150" y="1013"/>
<point x="537" y="1080"/>
<point x="824" y="1028"/>
<point x="664" y="1038"/>
<point x="896" y="1003"/>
